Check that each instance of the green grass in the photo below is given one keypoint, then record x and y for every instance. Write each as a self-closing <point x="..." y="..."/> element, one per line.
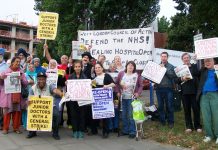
<point x="177" y="136"/>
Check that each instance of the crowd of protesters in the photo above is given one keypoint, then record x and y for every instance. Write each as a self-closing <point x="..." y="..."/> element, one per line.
<point x="199" y="94"/>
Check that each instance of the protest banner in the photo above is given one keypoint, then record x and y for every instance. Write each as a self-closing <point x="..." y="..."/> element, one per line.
<point x="39" y="114"/>
<point x="182" y="71"/>
<point x="216" y="70"/>
<point x="206" y="48"/>
<point x="130" y="44"/>
<point x="154" y="72"/>
<point x="61" y="72"/>
<point x="12" y="83"/>
<point x="174" y="56"/>
<point x="103" y="106"/>
<point x="79" y="89"/>
<point x="52" y="78"/>
<point x="48" y="24"/>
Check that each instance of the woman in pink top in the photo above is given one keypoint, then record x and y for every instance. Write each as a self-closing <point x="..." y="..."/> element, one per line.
<point x="12" y="102"/>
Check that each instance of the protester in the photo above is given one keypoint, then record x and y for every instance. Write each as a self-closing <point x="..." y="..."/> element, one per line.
<point x="25" y="58"/>
<point x="118" y="63"/>
<point x="164" y="92"/>
<point x="77" y="112"/>
<point x="38" y="67"/>
<point x="31" y="76"/>
<point x="104" y="80"/>
<point x="12" y="103"/>
<point x="114" y="122"/>
<point x="129" y="86"/>
<point x="42" y="89"/>
<point x="3" y="67"/>
<point x="208" y="96"/>
<point x="53" y="68"/>
<point x="189" y="90"/>
<point x="62" y="77"/>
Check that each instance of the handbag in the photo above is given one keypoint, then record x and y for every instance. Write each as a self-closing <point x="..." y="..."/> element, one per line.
<point x="24" y="91"/>
<point x="16" y="98"/>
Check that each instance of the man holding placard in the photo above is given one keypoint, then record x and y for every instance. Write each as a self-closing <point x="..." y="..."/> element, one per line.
<point x="41" y="89"/>
<point x="164" y="92"/>
<point x="188" y="78"/>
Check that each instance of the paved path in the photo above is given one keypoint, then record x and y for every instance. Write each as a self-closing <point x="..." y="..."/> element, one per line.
<point x="44" y="141"/>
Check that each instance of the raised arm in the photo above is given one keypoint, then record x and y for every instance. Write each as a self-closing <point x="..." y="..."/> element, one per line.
<point x="47" y="54"/>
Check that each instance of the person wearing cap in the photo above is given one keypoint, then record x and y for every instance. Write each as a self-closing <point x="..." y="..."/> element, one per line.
<point x="42" y="89"/>
<point x="87" y="67"/>
<point x="12" y="103"/>
<point x="3" y="67"/>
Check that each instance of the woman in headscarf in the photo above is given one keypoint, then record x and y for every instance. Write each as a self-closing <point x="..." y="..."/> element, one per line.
<point x="38" y="67"/>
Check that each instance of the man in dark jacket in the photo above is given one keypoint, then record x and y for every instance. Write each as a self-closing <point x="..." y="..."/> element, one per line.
<point x="208" y="96"/>
<point x="164" y="92"/>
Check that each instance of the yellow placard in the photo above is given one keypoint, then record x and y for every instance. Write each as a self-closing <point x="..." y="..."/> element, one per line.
<point x="39" y="116"/>
<point x="48" y="24"/>
<point x="61" y="72"/>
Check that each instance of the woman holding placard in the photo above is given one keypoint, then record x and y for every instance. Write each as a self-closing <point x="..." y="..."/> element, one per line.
<point x="12" y="102"/>
<point x="129" y="85"/>
<point x="77" y="112"/>
<point x="103" y="80"/>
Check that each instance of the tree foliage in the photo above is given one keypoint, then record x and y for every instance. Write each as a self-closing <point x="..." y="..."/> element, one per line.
<point x="195" y="16"/>
<point x="101" y="14"/>
<point x="163" y="24"/>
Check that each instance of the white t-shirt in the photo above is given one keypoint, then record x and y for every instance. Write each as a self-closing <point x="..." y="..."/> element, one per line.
<point x="130" y="82"/>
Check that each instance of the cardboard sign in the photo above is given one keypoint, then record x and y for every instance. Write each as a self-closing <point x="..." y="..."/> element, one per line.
<point x="52" y="78"/>
<point x="154" y="72"/>
<point x="130" y="44"/>
<point x="12" y="83"/>
<point x="207" y="48"/>
<point x="79" y="89"/>
<point x="103" y="106"/>
<point x="39" y="117"/>
<point x="48" y="24"/>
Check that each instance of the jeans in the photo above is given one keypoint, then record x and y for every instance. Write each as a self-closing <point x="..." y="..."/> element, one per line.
<point x="57" y="101"/>
<point x="127" y="117"/>
<point x="114" y="122"/>
<point x="165" y="96"/>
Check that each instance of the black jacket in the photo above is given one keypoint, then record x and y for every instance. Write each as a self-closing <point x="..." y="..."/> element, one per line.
<point x="203" y="78"/>
<point x="190" y="86"/>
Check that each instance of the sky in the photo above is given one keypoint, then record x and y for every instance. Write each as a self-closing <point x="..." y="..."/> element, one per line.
<point x="22" y="10"/>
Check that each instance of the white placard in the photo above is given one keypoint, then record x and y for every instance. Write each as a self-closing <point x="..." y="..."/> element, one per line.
<point x="130" y="44"/>
<point x="12" y="83"/>
<point x="154" y="72"/>
<point x="79" y="89"/>
<point x="207" y="48"/>
<point x="52" y="78"/>
<point x="182" y="71"/>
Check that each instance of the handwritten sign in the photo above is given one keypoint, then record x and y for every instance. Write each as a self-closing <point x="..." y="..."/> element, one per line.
<point x="12" y="83"/>
<point x="154" y="72"/>
<point x="207" y="48"/>
<point x="129" y="44"/>
<point x="40" y="112"/>
<point x="79" y="89"/>
<point x="48" y="24"/>
<point x="103" y="106"/>
<point x="182" y="71"/>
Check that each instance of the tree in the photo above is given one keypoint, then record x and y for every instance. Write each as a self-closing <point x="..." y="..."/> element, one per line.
<point x="163" y="24"/>
<point x="100" y="14"/>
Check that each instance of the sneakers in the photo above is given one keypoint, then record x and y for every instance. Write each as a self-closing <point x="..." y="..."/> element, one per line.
<point x="80" y="135"/>
<point x="199" y="130"/>
<point x="56" y="137"/>
<point x="31" y="135"/>
<point x="207" y="139"/>
<point x="4" y="132"/>
<point x="217" y="141"/>
<point x="188" y="130"/>
<point x="75" y="134"/>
